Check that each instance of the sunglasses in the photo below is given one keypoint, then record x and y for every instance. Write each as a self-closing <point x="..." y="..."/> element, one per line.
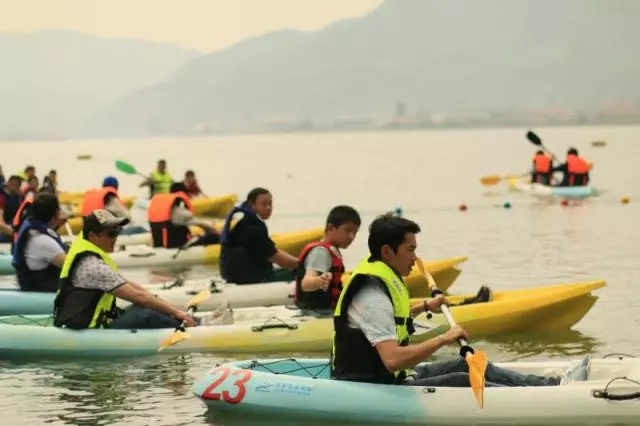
<point x="112" y="233"/>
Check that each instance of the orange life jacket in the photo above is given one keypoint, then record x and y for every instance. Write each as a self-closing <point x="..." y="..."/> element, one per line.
<point x="95" y="199"/>
<point x="163" y="232"/>
<point x="542" y="164"/>
<point x="577" y="169"/>
<point x="20" y="215"/>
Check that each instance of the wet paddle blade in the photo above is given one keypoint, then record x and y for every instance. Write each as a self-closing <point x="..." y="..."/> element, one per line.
<point x="533" y="138"/>
<point x="173" y="338"/>
<point x="125" y="167"/>
<point x="490" y="180"/>
<point x="199" y="298"/>
<point x="477" y="363"/>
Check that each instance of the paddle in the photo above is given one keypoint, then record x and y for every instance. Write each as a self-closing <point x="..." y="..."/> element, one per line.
<point x="180" y="333"/>
<point x="534" y="139"/>
<point x="128" y="169"/>
<point x="476" y="360"/>
<point x="185" y="246"/>
<point x="491" y="180"/>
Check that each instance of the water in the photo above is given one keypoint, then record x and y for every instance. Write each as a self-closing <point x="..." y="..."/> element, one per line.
<point x="427" y="174"/>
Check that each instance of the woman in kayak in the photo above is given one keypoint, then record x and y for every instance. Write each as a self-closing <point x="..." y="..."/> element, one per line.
<point x="39" y="253"/>
<point x="248" y="253"/>
<point x="90" y="283"/>
<point x="320" y="266"/>
<point x="373" y="322"/>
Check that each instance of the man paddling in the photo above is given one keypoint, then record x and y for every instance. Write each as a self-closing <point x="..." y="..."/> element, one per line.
<point x="160" y="180"/>
<point x="575" y="170"/>
<point x="373" y="321"/>
<point x="90" y="283"/>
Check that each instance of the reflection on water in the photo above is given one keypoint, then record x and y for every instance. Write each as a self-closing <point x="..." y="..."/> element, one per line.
<point x="559" y="343"/>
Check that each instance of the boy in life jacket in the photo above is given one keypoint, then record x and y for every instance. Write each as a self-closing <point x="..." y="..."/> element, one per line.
<point x="320" y="267"/>
<point x="542" y="169"/>
<point x="575" y="170"/>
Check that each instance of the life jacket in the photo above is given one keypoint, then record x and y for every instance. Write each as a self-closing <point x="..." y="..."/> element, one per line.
<point x="319" y="299"/>
<point x="353" y="357"/>
<point x="95" y="199"/>
<point x="80" y="308"/>
<point x="21" y="214"/>
<point x="11" y="206"/>
<point x="163" y="232"/>
<point x="542" y="164"/>
<point x="45" y="280"/>
<point x="577" y="170"/>
<point x="239" y="264"/>
<point x="161" y="182"/>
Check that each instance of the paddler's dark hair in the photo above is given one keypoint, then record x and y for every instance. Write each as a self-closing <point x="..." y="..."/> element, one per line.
<point x="253" y="195"/>
<point x="339" y="215"/>
<point x="389" y="230"/>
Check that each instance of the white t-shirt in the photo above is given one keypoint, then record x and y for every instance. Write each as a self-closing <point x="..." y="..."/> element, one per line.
<point x="40" y="250"/>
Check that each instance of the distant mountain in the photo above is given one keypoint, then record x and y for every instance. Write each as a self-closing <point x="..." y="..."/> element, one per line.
<point x="445" y="55"/>
<point x="53" y="81"/>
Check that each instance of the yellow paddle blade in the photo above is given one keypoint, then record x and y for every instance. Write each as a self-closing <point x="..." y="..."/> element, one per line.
<point x="427" y="276"/>
<point x="477" y="363"/>
<point x="173" y="338"/>
<point x="490" y="180"/>
<point x="199" y="298"/>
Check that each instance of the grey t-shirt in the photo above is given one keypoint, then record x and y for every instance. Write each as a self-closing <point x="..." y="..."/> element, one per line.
<point x="318" y="259"/>
<point x="371" y="311"/>
<point x="40" y="250"/>
<point x="92" y="273"/>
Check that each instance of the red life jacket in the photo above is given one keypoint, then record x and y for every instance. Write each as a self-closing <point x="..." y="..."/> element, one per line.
<point x="319" y="299"/>
<point x="542" y="164"/>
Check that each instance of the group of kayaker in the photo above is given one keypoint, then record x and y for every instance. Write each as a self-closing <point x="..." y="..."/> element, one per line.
<point x="160" y="182"/>
<point x="575" y="169"/>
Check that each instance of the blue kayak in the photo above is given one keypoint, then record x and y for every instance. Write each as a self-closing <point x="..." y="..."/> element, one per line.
<point x="6" y="268"/>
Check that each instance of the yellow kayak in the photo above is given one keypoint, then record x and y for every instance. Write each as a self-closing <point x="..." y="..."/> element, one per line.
<point x="281" y="329"/>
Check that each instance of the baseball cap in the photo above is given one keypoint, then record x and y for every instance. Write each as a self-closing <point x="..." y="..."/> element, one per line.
<point x="102" y="219"/>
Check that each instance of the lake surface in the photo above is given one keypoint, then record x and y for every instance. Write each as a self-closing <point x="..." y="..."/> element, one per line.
<point x="428" y="175"/>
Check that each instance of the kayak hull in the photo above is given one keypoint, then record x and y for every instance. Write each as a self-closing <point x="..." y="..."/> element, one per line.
<point x="301" y="388"/>
<point x="288" y="330"/>
<point x="542" y="191"/>
<point x="16" y="302"/>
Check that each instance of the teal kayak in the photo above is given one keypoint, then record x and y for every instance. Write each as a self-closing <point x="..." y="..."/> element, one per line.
<point x="302" y="388"/>
<point x="34" y="335"/>
<point x="6" y="268"/>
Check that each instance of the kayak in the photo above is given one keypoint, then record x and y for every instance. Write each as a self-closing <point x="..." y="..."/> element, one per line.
<point x="217" y="207"/>
<point x="538" y="190"/>
<point x="302" y="389"/>
<point x="179" y="292"/>
<point x="144" y="256"/>
<point x="290" y="330"/>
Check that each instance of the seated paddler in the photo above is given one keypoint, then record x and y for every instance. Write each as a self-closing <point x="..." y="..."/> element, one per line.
<point x="248" y="253"/>
<point x="39" y="252"/>
<point x="90" y="283"/>
<point x="170" y="216"/>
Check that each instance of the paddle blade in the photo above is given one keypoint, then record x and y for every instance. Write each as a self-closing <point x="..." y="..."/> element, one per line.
<point x="490" y="180"/>
<point x="199" y="298"/>
<point x="173" y="338"/>
<point x="477" y="363"/>
<point x="533" y="138"/>
<point x="125" y="167"/>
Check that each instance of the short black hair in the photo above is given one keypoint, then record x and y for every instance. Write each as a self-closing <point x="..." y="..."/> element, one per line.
<point x="178" y="187"/>
<point x="253" y="195"/>
<point x="540" y="152"/>
<point x="339" y="215"/>
<point x="389" y="230"/>
<point x="29" y="168"/>
<point x="572" y="151"/>
<point x="15" y="177"/>
<point x="44" y="208"/>
<point x="189" y="173"/>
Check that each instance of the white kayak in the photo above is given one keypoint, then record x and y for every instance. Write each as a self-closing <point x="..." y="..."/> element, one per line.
<point x="543" y="191"/>
<point x="603" y="393"/>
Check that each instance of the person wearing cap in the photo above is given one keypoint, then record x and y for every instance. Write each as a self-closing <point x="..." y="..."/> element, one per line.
<point x="39" y="253"/>
<point x="10" y="201"/>
<point x="90" y="283"/>
<point x="105" y="198"/>
<point x="575" y="170"/>
<point x="160" y="180"/>
<point x="170" y="216"/>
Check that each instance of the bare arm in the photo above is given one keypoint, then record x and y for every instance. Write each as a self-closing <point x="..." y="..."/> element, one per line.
<point x="139" y="296"/>
<point x="4" y="227"/>
<point x="58" y="259"/>
<point x="284" y="260"/>
<point x="396" y="357"/>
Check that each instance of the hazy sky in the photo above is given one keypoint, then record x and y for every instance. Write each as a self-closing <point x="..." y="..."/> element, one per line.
<point x="200" y="24"/>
